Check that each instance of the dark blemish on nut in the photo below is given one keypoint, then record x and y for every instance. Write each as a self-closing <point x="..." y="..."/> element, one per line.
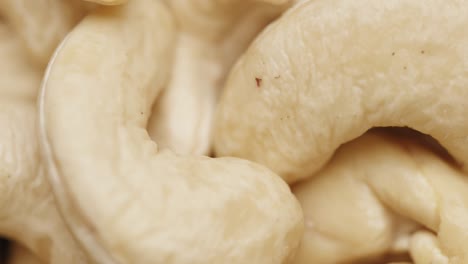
<point x="422" y="51"/>
<point x="258" y="81"/>
<point x="404" y="68"/>
<point x="277" y="76"/>
<point x="393" y="53"/>
<point x="141" y="112"/>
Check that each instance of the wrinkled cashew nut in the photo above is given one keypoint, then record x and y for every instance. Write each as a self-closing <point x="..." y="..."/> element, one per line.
<point x="29" y="215"/>
<point x="368" y="182"/>
<point x="327" y="71"/>
<point x="125" y="201"/>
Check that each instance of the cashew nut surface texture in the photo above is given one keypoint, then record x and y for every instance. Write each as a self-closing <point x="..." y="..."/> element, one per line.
<point x="211" y="35"/>
<point x="41" y="24"/>
<point x="327" y="71"/>
<point x="353" y="207"/>
<point x="29" y="215"/>
<point x="126" y="201"/>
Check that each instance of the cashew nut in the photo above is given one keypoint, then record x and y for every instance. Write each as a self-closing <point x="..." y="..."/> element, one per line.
<point x="212" y="34"/>
<point x="28" y="214"/>
<point x="327" y="71"/>
<point x="126" y="201"/>
<point x="353" y="207"/>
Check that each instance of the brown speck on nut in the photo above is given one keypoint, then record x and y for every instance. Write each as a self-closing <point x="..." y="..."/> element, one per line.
<point x="258" y="81"/>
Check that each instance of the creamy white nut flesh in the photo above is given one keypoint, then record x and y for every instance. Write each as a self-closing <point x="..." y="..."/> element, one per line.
<point x="21" y="255"/>
<point x="352" y="206"/>
<point x="327" y="71"/>
<point x="126" y="201"/>
<point x="212" y="34"/>
<point x="41" y="24"/>
<point x="28" y="215"/>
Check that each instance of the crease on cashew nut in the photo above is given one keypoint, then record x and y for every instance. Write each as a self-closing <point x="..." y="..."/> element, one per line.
<point x="28" y="214"/>
<point x="212" y="34"/>
<point x="331" y="70"/>
<point x="352" y="206"/>
<point x="125" y="201"/>
<point x="42" y="24"/>
<point x="21" y="255"/>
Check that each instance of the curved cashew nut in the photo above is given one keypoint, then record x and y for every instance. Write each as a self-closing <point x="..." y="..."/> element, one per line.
<point x="21" y="255"/>
<point x="125" y="201"/>
<point x="41" y="24"/>
<point x="351" y="206"/>
<point x="327" y="71"/>
<point x="28" y="214"/>
<point x="212" y="35"/>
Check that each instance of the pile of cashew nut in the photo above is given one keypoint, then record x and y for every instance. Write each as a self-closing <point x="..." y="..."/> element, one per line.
<point x="228" y="132"/>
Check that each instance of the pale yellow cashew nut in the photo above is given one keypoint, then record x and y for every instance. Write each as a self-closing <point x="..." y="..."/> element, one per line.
<point x="28" y="213"/>
<point x="41" y="24"/>
<point x="351" y="207"/>
<point x="124" y="200"/>
<point x="212" y="34"/>
<point x="330" y="70"/>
